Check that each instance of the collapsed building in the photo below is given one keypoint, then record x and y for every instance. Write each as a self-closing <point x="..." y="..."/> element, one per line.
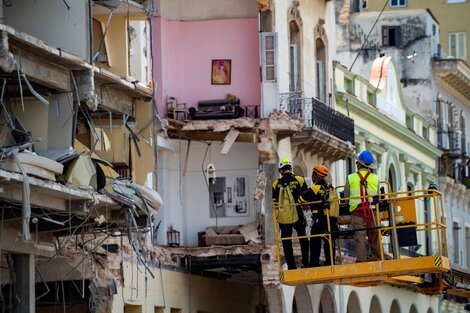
<point x="81" y="136"/>
<point x="73" y="130"/>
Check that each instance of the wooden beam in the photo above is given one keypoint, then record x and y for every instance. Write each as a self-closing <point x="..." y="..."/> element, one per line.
<point x="229" y="140"/>
<point x="43" y="72"/>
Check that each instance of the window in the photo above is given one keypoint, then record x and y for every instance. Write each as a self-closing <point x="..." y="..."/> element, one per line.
<point x="294" y="67"/>
<point x="349" y="85"/>
<point x="456" y="1"/>
<point x="295" y="54"/>
<point x="266" y="21"/>
<point x="320" y="55"/>
<point x="426" y="132"/>
<point x="391" y="36"/>
<point x="456" y="238"/>
<point x="100" y="43"/>
<point x="268" y="50"/>
<point x="467" y="245"/>
<point x="349" y="166"/>
<point x="398" y="3"/>
<point x="370" y="97"/>
<point x="458" y="45"/>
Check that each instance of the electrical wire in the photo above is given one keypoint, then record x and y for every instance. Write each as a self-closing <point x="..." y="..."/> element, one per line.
<point x="66" y="4"/>
<point x="370" y="32"/>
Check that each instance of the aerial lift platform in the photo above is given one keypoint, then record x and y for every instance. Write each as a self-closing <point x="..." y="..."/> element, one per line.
<point x="396" y="219"/>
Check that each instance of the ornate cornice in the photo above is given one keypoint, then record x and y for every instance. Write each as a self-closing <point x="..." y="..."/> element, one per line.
<point x="294" y="13"/>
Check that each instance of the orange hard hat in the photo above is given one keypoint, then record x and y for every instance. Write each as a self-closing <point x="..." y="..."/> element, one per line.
<point x="320" y="170"/>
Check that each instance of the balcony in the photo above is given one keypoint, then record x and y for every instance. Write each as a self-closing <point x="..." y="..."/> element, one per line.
<point x="318" y="115"/>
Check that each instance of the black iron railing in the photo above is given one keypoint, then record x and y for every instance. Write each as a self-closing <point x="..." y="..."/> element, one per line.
<point x="317" y="114"/>
<point x="332" y="121"/>
<point x="291" y="102"/>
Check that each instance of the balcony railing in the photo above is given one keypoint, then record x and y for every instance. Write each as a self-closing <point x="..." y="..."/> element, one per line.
<point x="332" y="121"/>
<point x="291" y="103"/>
<point x="318" y="115"/>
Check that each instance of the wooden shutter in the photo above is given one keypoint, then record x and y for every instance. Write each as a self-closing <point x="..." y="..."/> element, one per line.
<point x="269" y="56"/>
<point x="385" y="41"/>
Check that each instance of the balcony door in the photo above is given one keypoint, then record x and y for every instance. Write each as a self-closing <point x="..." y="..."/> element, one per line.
<point x="320" y="55"/>
<point x="294" y="69"/>
<point x="294" y="57"/>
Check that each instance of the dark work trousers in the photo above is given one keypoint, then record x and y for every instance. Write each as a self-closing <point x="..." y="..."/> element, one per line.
<point x="286" y="231"/>
<point x="320" y="226"/>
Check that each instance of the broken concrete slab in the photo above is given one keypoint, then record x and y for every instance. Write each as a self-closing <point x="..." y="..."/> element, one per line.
<point x="221" y="125"/>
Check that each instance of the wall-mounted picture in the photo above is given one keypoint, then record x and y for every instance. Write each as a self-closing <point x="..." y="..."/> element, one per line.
<point x="228" y="196"/>
<point x="221" y="72"/>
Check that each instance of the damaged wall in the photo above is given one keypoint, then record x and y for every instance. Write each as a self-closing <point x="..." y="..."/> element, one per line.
<point x="179" y="291"/>
<point x="188" y="48"/>
<point x="52" y="123"/>
<point x="187" y="205"/>
<point x="65" y="29"/>
<point x="116" y="44"/>
<point x="419" y="34"/>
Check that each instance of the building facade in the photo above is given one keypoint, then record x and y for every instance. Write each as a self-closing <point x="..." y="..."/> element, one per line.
<point x="430" y="83"/>
<point x="453" y="33"/>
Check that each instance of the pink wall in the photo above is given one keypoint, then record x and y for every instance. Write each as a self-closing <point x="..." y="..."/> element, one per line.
<point x="183" y="51"/>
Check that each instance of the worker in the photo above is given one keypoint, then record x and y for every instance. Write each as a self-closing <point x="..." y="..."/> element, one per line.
<point x="316" y="199"/>
<point x="363" y="183"/>
<point x="296" y="185"/>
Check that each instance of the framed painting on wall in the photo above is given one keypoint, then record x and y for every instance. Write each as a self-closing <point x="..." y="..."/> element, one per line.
<point x="221" y="72"/>
<point x="229" y="196"/>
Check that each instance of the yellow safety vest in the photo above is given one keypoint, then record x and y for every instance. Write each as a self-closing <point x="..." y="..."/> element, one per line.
<point x="355" y="185"/>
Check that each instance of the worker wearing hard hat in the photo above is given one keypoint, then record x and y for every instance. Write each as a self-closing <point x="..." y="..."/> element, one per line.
<point x="297" y="186"/>
<point x="363" y="183"/>
<point x="316" y="197"/>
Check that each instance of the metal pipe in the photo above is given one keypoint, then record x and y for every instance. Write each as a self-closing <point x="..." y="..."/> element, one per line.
<point x="90" y="30"/>
<point x="393" y="232"/>
<point x="438" y="230"/>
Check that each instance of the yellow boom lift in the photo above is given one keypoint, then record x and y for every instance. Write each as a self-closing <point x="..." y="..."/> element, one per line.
<point x="413" y="248"/>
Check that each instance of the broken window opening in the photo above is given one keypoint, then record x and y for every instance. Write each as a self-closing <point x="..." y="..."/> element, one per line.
<point x="391" y="36"/>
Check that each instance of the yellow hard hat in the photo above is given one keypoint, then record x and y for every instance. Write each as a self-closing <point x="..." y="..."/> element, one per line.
<point x="284" y="162"/>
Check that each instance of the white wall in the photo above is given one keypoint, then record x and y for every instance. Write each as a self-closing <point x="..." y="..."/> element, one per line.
<point x="50" y="21"/>
<point x="186" y="198"/>
<point x="310" y="12"/>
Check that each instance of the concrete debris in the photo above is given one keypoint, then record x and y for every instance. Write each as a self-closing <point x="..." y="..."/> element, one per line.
<point x="7" y="61"/>
<point x="101" y="293"/>
<point x="221" y="125"/>
<point x="282" y="121"/>
<point x="269" y="268"/>
<point x="260" y="185"/>
<point x="263" y="5"/>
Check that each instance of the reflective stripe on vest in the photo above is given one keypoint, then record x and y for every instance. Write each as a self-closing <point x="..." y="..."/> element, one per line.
<point x="355" y="185"/>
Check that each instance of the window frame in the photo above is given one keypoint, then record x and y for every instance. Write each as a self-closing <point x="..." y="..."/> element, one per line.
<point x="386" y="38"/>
<point x="263" y="56"/>
<point x="398" y="5"/>
<point x="457" y="47"/>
